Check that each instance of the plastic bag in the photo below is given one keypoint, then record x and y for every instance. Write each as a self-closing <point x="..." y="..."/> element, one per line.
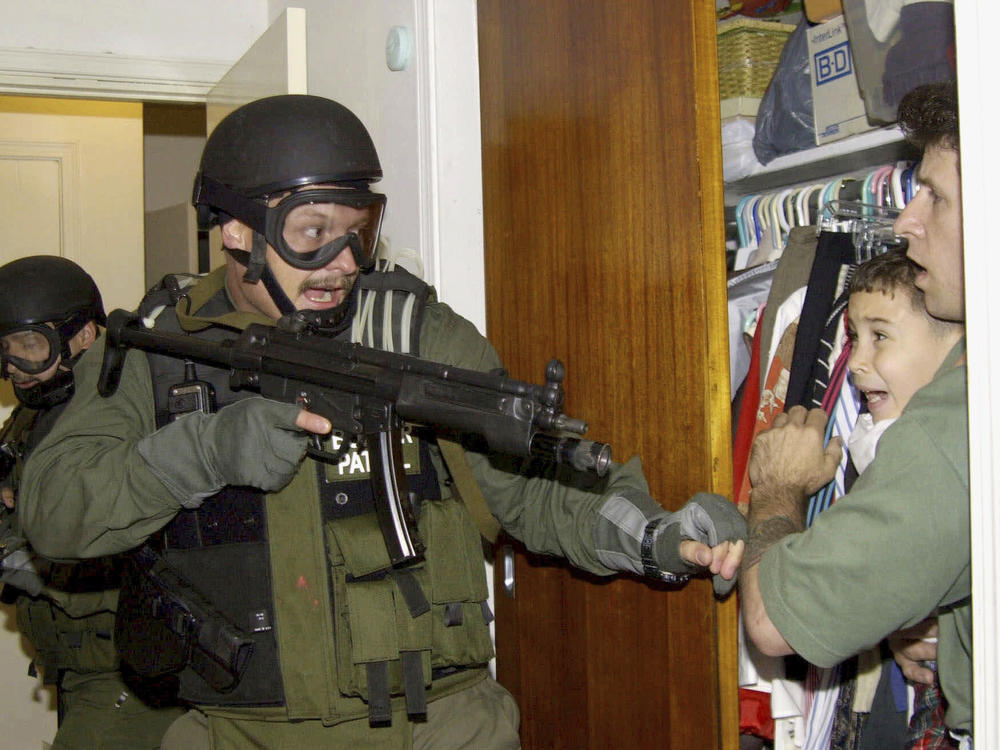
<point x="785" y="116"/>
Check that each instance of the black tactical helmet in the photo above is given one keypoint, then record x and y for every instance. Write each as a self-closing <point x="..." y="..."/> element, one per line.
<point x="282" y="142"/>
<point x="35" y="291"/>
<point x="279" y="144"/>
<point x="44" y="288"/>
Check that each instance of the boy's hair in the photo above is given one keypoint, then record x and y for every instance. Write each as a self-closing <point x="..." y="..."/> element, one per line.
<point x="928" y="115"/>
<point x="890" y="273"/>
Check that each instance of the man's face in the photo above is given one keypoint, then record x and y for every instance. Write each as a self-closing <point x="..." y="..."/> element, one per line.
<point x="308" y="289"/>
<point x="895" y="349"/>
<point x="932" y="223"/>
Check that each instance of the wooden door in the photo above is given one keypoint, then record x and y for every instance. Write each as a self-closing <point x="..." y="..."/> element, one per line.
<point x="604" y="238"/>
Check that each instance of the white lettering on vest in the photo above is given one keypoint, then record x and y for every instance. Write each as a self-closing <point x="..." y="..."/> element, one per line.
<point x="356" y="463"/>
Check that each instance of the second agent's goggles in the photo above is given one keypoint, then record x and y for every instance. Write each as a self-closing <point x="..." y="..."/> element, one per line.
<point x="308" y="228"/>
<point x="32" y="349"/>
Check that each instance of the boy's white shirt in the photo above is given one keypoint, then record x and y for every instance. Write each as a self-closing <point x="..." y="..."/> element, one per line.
<point x="863" y="440"/>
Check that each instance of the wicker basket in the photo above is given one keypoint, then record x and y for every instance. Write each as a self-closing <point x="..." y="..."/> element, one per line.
<point x="748" y="55"/>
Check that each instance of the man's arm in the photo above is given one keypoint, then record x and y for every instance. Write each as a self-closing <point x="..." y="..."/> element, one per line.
<point x="105" y="477"/>
<point x="788" y="463"/>
<point x="86" y="492"/>
<point x="598" y="525"/>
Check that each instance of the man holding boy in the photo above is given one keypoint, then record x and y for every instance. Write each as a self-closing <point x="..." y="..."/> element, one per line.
<point x="853" y="577"/>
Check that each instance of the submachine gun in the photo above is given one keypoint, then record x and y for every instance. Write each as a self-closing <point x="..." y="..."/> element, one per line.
<point x="368" y="394"/>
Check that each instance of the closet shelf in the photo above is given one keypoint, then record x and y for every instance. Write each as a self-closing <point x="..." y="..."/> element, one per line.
<point x="882" y="146"/>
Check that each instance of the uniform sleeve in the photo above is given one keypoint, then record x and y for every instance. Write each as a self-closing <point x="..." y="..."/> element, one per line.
<point x="882" y="557"/>
<point x="552" y="511"/>
<point x="86" y="491"/>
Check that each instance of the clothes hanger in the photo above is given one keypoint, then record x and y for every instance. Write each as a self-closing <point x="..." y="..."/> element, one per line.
<point x="741" y="225"/>
<point x="802" y="204"/>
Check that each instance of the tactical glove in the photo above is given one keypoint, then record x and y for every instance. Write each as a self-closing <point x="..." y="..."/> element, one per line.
<point x="706" y="518"/>
<point x="253" y="442"/>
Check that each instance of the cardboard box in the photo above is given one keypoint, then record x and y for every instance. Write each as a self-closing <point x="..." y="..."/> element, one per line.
<point x="838" y="109"/>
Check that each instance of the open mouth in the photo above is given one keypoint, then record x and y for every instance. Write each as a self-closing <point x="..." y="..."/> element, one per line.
<point x="322" y="296"/>
<point x="875" y="398"/>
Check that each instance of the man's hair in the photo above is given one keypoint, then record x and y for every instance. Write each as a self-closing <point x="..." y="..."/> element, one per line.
<point x="928" y="115"/>
<point x="891" y="273"/>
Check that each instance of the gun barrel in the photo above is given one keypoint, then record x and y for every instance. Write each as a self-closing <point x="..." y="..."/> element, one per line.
<point x="581" y="455"/>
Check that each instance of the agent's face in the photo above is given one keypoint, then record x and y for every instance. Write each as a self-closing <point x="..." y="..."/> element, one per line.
<point x="932" y="222"/>
<point x="308" y="289"/>
<point x="32" y="346"/>
<point x="895" y="350"/>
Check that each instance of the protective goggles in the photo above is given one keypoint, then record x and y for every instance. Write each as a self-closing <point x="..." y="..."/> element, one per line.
<point x="32" y="349"/>
<point x="307" y="228"/>
<point x="311" y="227"/>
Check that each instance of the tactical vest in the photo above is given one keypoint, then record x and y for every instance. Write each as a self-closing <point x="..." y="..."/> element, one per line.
<point x="387" y="634"/>
<point x="80" y="644"/>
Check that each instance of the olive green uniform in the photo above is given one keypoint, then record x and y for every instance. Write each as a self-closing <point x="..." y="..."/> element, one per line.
<point x="331" y="618"/>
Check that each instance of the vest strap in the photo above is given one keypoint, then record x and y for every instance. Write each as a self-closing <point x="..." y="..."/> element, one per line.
<point x="379" y="705"/>
<point x="467" y="488"/>
<point x="413" y="594"/>
<point x="413" y="685"/>
<point x="453" y="614"/>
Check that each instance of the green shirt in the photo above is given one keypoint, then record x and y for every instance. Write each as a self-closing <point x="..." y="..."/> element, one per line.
<point x="891" y="551"/>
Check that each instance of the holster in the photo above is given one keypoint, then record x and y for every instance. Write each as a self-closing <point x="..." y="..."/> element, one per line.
<point x="165" y="624"/>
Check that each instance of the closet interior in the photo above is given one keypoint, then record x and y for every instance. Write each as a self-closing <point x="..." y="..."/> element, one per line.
<point x="797" y="226"/>
<point x="606" y="216"/>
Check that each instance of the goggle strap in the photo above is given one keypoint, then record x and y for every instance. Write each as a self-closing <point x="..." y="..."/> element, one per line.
<point x="213" y="193"/>
<point x="278" y="296"/>
<point x="257" y="261"/>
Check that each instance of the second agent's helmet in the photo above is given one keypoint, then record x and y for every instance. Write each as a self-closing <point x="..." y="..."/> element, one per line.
<point x="278" y="148"/>
<point x="34" y="292"/>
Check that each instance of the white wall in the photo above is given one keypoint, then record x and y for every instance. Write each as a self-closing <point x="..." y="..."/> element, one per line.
<point x="174" y="159"/>
<point x="179" y="29"/>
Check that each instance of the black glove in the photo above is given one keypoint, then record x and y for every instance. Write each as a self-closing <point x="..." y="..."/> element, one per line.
<point x="706" y="518"/>
<point x="253" y="442"/>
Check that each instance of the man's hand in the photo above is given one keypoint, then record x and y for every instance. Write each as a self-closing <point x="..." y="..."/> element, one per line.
<point x="790" y="460"/>
<point x="708" y="532"/>
<point x="254" y="442"/>
<point x="722" y="559"/>
<point x="788" y="463"/>
<point x="913" y="646"/>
